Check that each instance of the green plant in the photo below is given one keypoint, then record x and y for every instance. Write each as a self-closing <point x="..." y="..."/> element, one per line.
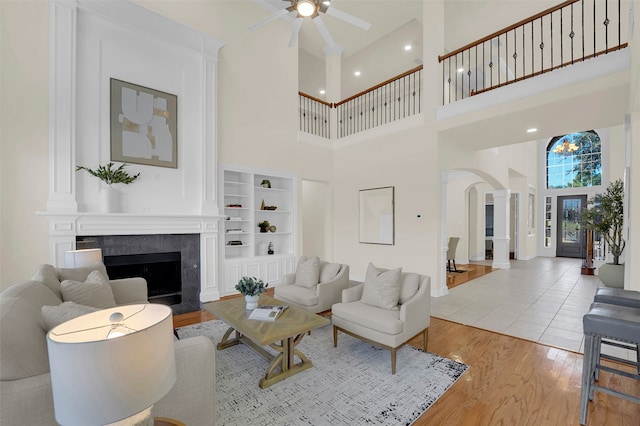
<point x="264" y="224"/>
<point x="604" y="215"/>
<point x="109" y="175"/>
<point x="251" y="286"/>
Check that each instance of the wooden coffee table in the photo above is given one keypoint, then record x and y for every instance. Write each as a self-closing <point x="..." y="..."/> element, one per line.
<point x="283" y="335"/>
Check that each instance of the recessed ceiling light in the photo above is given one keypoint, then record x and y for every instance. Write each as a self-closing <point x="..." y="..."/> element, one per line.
<point x="357" y="73"/>
<point x="322" y="91"/>
<point x="460" y="69"/>
<point x="407" y="47"/>
<point x="532" y="130"/>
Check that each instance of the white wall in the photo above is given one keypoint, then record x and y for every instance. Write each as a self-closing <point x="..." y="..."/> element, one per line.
<point x="24" y="154"/>
<point x="317" y="221"/>
<point x="257" y="127"/>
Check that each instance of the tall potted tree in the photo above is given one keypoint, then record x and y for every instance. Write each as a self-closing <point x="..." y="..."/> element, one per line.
<point x="604" y="215"/>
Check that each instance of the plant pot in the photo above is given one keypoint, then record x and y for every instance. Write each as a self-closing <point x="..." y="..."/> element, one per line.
<point x="611" y="275"/>
<point x="263" y="229"/>
<point x="109" y="200"/>
<point x="251" y="301"/>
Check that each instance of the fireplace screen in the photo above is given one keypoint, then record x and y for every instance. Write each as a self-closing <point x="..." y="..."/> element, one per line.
<point x="161" y="270"/>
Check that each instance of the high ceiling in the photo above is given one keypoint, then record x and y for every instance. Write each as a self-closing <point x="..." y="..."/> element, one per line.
<point x="378" y="52"/>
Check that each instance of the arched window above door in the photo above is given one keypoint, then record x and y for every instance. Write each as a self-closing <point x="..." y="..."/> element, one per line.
<point x="574" y="160"/>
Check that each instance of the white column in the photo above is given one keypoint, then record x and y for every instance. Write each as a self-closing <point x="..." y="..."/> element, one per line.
<point x="210" y="130"/>
<point x="62" y="105"/>
<point x="632" y="191"/>
<point x="333" y="82"/>
<point x="501" y="218"/>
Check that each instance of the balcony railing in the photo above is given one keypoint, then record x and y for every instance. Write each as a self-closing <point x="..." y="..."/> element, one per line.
<point x="389" y="101"/>
<point x="571" y="32"/>
<point x="394" y="99"/>
<point x="314" y="115"/>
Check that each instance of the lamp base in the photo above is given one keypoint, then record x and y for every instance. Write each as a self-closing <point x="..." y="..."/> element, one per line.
<point x="143" y="418"/>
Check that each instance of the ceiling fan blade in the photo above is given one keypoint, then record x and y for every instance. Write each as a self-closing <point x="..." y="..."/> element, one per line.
<point x="275" y="15"/>
<point x="296" y="30"/>
<point x="324" y="32"/>
<point x="344" y="16"/>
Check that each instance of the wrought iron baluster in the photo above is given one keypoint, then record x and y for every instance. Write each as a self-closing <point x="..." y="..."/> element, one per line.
<point x="606" y="26"/>
<point x="594" y="28"/>
<point x="582" y="3"/>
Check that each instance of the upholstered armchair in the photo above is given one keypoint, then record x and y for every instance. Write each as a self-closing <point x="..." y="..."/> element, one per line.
<point x="315" y="286"/>
<point x="387" y="310"/>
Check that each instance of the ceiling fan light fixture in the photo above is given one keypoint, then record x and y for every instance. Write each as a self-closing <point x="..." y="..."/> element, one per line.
<point x="306" y="8"/>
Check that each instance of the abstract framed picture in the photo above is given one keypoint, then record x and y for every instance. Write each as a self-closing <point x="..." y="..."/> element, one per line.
<point x="144" y="125"/>
<point x="377" y="223"/>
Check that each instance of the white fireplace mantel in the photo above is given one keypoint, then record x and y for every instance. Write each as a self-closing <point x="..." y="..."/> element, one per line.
<point x="90" y="43"/>
<point x="65" y="227"/>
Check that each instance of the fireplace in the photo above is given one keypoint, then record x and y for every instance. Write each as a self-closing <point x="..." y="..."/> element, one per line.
<point x="160" y="270"/>
<point x="170" y="263"/>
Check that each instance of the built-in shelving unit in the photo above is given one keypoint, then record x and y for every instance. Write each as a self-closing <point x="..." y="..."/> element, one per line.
<point x="250" y="197"/>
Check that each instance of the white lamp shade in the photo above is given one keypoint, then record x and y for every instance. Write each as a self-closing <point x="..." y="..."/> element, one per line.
<point x="80" y="258"/>
<point x="96" y="380"/>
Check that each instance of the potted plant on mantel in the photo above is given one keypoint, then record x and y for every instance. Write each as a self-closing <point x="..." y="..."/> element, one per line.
<point x="251" y="287"/>
<point x="110" y="175"/>
<point x="604" y="215"/>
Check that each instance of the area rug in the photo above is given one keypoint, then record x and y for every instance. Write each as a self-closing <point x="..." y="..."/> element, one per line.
<point x="348" y="385"/>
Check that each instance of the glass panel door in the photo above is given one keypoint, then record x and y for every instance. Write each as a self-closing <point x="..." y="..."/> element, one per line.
<point x="570" y="238"/>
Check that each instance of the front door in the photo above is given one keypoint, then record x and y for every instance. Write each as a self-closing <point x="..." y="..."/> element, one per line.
<point x="570" y="241"/>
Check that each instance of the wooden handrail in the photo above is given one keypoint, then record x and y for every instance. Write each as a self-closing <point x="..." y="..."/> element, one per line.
<point x="377" y="86"/>
<point x="507" y="29"/>
<point x="320" y="101"/>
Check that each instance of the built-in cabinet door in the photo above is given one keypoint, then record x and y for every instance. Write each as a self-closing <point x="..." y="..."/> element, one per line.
<point x="267" y="268"/>
<point x="570" y="237"/>
<point x="273" y="271"/>
<point x="252" y="269"/>
<point x="232" y="274"/>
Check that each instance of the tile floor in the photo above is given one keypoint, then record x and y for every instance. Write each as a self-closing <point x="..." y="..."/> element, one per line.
<point x="542" y="300"/>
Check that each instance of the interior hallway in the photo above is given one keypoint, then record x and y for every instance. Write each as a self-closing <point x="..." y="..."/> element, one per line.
<point x="542" y="300"/>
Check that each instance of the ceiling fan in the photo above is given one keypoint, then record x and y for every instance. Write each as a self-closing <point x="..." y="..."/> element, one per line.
<point x="310" y="9"/>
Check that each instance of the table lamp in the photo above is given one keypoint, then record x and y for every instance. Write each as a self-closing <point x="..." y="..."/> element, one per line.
<point x="80" y="258"/>
<point x="110" y="365"/>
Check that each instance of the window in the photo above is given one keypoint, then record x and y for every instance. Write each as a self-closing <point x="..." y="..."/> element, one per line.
<point x="574" y="160"/>
<point x="547" y="221"/>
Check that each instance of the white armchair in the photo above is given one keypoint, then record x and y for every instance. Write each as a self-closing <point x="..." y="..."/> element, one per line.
<point x="386" y="328"/>
<point x="316" y="297"/>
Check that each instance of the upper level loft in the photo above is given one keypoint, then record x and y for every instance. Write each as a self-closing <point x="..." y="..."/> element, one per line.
<point x="565" y="44"/>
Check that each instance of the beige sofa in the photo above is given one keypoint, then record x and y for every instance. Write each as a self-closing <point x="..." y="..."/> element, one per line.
<point x="25" y="385"/>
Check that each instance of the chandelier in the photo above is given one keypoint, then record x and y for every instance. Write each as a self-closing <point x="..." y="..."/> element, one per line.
<point x="565" y="148"/>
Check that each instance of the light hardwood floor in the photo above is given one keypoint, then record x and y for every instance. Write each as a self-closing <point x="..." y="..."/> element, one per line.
<point x="510" y="381"/>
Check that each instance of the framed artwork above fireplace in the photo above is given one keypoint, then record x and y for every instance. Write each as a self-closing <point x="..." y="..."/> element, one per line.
<point x="144" y="128"/>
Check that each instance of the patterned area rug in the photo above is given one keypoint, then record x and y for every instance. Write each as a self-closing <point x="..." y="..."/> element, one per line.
<point x="348" y="385"/>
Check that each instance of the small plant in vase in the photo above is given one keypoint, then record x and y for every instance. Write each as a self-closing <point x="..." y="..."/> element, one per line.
<point x="251" y="287"/>
<point x="110" y="175"/>
<point x="264" y="226"/>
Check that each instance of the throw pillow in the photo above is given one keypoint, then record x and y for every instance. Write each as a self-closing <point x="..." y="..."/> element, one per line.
<point x="56" y="315"/>
<point x="328" y="271"/>
<point x="382" y="288"/>
<point x="308" y="272"/>
<point x="95" y="291"/>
